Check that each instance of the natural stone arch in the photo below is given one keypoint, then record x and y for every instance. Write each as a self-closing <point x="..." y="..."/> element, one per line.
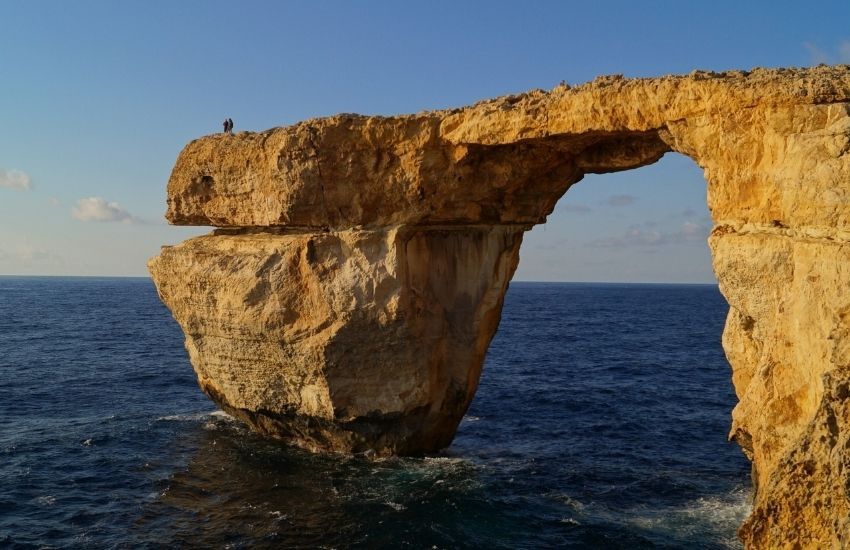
<point x="349" y="298"/>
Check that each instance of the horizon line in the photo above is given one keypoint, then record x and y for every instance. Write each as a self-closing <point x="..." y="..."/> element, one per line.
<point x="512" y="281"/>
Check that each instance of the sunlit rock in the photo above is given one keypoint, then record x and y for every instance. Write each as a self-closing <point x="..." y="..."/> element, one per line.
<point x="349" y="300"/>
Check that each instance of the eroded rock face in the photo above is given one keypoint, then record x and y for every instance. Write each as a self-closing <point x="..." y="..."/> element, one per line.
<point x="349" y="301"/>
<point x="346" y="341"/>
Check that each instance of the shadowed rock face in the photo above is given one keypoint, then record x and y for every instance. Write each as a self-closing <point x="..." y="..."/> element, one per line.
<point x="350" y="296"/>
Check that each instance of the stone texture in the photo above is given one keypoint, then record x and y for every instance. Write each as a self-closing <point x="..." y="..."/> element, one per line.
<point x="344" y="341"/>
<point x="349" y="300"/>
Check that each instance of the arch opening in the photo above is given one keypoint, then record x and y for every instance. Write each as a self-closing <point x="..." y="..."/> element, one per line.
<point x="619" y="394"/>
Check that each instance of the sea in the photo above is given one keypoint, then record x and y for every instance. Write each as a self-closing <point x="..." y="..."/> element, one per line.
<point x="600" y="423"/>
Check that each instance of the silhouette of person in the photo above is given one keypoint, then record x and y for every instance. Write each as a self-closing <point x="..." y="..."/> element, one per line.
<point x="229" y="125"/>
<point x="226" y="125"/>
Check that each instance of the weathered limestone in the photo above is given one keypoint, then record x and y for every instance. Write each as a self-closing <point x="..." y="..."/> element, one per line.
<point x="349" y="299"/>
<point x="347" y="341"/>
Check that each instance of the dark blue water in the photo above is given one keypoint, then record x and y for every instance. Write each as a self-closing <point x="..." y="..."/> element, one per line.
<point x="600" y="422"/>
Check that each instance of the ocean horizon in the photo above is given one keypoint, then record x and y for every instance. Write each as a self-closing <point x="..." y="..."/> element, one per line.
<point x="602" y="283"/>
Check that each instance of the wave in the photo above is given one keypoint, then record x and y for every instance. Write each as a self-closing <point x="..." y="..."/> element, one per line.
<point x="714" y="518"/>
<point x="395" y="506"/>
<point x="46" y="500"/>
<point x="719" y="516"/>
<point x="195" y="417"/>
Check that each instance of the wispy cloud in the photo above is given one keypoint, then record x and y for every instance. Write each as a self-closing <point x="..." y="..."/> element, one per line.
<point x="818" y="55"/>
<point x="558" y="244"/>
<point x="97" y="209"/>
<point x="620" y="200"/>
<point x="575" y="208"/>
<point x="844" y="51"/>
<point x="34" y="255"/>
<point x="26" y="253"/>
<point x="694" y="232"/>
<point x="690" y="232"/>
<point x="15" y="179"/>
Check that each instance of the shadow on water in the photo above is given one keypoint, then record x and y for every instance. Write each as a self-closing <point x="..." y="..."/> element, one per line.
<point x="244" y="491"/>
<point x="251" y="491"/>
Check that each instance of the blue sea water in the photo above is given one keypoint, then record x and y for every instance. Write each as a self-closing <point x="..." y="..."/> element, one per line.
<point x="600" y="422"/>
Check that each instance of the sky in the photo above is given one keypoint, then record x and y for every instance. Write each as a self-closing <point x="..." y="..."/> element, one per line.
<point x="98" y="98"/>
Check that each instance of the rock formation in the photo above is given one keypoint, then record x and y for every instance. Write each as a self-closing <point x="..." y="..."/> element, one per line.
<point x="349" y="296"/>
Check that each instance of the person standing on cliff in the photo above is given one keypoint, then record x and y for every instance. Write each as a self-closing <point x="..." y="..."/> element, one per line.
<point x="229" y="125"/>
<point x="226" y="124"/>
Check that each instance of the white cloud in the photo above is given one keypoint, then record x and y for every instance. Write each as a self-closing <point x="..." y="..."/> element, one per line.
<point x="97" y="209"/>
<point x="14" y="179"/>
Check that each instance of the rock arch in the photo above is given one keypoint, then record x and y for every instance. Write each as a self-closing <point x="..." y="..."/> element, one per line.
<point x="349" y="295"/>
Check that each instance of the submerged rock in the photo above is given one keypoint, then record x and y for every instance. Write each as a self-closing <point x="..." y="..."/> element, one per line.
<point x="350" y="296"/>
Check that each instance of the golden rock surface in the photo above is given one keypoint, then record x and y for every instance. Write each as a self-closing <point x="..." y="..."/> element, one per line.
<point x="348" y="341"/>
<point x="349" y="299"/>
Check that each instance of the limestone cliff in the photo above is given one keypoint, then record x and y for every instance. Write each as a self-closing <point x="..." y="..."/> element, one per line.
<point x="349" y="298"/>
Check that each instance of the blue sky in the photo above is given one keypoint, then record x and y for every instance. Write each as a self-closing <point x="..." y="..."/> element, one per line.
<point x="98" y="98"/>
